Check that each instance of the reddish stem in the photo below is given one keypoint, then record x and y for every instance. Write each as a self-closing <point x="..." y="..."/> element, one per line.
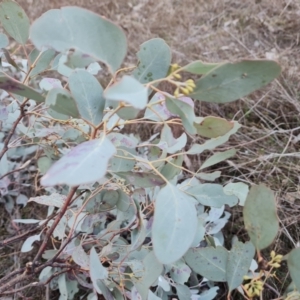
<point x="55" y="223"/>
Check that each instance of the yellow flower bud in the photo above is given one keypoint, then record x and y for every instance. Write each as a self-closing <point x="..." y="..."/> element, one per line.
<point x="177" y="76"/>
<point x="278" y="257"/>
<point x="185" y="90"/>
<point x="176" y="93"/>
<point x="273" y="254"/>
<point x="275" y="265"/>
<point x="191" y="89"/>
<point x="190" y="82"/>
<point x="256" y="292"/>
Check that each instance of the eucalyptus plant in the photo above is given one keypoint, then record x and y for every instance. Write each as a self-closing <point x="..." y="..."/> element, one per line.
<point x="130" y="217"/>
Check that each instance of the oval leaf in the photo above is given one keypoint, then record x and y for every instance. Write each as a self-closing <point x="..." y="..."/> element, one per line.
<point x="86" y="163"/>
<point x="14" y="20"/>
<point x="209" y="262"/>
<point x="13" y="86"/>
<point x="213" y="127"/>
<point x="150" y="273"/>
<point x="142" y="179"/>
<point x="238" y="263"/>
<point x="83" y="30"/>
<point x="199" y="67"/>
<point x="154" y="60"/>
<point x="54" y="199"/>
<point x="260" y="216"/>
<point x="185" y="111"/>
<point x="27" y="245"/>
<point x="62" y="102"/>
<point x="43" y="61"/>
<point x="87" y="93"/>
<point x="124" y="162"/>
<point x="48" y="84"/>
<point x="294" y="266"/>
<point x="174" y="225"/>
<point x="211" y="194"/>
<point x="129" y="90"/>
<point x="81" y="258"/>
<point x="218" y="157"/>
<point x="238" y="189"/>
<point x="3" y="40"/>
<point x="214" y="142"/>
<point x="232" y="81"/>
<point x="180" y="272"/>
<point x="183" y="292"/>
<point x="97" y="271"/>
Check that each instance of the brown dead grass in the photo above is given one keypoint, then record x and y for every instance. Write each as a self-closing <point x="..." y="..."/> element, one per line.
<point x="219" y="30"/>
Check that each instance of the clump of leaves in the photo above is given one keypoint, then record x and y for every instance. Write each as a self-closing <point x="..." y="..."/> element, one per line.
<point x="133" y="220"/>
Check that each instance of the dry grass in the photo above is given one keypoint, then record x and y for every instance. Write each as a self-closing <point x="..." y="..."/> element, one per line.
<point x="219" y="30"/>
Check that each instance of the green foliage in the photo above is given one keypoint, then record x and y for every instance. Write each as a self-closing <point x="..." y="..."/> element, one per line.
<point x="87" y="93"/>
<point x="135" y="216"/>
<point x="3" y="40"/>
<point x="154" y="61"/>
<point x="76" y="28"/>
<point x="14" y="21"/>
<point x="174" y="225"/>
<point x="260" y="216"/>
<point x="293" y="261"/>
<point x="13" y="86"/>
<point x="232" y="81"/>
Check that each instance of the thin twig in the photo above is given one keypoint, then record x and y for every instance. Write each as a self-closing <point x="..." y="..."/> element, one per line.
<point x="53" y="226"/>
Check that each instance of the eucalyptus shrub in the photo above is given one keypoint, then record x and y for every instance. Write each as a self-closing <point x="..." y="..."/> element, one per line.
<point x="131" y="218"/>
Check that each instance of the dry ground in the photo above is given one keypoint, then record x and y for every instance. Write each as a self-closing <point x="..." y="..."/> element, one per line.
<point x="219" y="30"/>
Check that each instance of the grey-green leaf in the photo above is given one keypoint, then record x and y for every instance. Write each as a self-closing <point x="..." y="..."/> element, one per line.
<point x="260" y="216"/>
<point x="152" y="270"/>
<point x="183" y="292"/>
<point x="214" y="142"/>
<point x="172" y="167"/>
<point x="97" y="271"/>
<point x="87" y="93"/>
<point x="211" y="194"/>
<point x="209" y="262"/>
<point x="294" y="266"/>
<point x="218" y="157"/>
<point x="238" y="263"/>
<point x="105" y="291"/>
<point x="209" y="294"/>
<point x="213" y="127"/>
<point x="174" y="225"/>
<point x="81" y="258"/>
<point x="129" y="90"/>
<point x="13" y="86"/>
<point x="154" y="60"/>
<point x="14" y="21"/>
<point x="180" y="272"/>
<point x="85" y="163"/>
<point x="55" y="199"/>
<point x="124" y="162"/>
<point x="43" y="62"/>
<point x="3" y="40"/>
<point x="199" y="67"/>
<point x="61" y="101"/>
<point x="83" y="30"/>
<point x="239" y="189"/>
<point x="231" y="81"/>
<point x="142" y="179"/>
<point x="185" y="111"/>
